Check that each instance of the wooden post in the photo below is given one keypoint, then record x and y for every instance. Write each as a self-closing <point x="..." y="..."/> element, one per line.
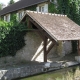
<point x="29" y="24"/>
<point x="45" y="49"/>
<point x="50" y="47"/>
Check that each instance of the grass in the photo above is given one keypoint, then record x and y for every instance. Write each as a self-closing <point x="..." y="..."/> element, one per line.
<point x="46" y="76"/>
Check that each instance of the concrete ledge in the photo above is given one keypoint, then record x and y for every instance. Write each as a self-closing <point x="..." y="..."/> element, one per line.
<point x="20" y="72"/>
<point x="28" y="70"/>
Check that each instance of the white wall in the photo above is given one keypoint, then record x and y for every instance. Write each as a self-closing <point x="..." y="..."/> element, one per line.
<point x="7" y="17"/>
<point x="45" y="5"/>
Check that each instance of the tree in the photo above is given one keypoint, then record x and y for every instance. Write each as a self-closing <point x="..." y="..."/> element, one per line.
<point x="2" y="6"/>
<point x="11" y="2"/>
<point x="71" y="8"/>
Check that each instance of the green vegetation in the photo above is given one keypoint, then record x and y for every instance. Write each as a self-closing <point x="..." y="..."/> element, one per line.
<point x="32" y="8"/>
<point x="1" y="6"/>
<point x="12" y="34"/>
<point x="47" y="76"/>
<point x="71" y="75"/>
<point x="11" y="2"/>
<point x="70" y="8"/>
<point x="11" y="37"/>
<point x="52" y="8"/>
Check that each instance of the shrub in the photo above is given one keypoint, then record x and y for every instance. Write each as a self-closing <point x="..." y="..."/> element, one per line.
<point x="11" y="37"/>
<point x="71" y="75"/>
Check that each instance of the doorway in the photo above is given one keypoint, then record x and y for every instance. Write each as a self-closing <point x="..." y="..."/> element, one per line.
<point x="74" y="46"/>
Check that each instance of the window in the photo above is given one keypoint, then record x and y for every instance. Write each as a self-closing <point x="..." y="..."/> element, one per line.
<point x="7" y="18"/>
<point x="20" y="15"/>
<point x="42" y="8"/>
<point x="52" y="1"/>
<point x="39" y="8"/>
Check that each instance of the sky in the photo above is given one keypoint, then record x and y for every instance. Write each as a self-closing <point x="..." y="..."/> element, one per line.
<point x="6" y="1"/>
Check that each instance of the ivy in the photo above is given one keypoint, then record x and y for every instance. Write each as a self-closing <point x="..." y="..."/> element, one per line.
<point x="32" y="8"/>
<point x="52" y="8"/>
<point x="70" y="8"/>
<point x="11" y="37"/>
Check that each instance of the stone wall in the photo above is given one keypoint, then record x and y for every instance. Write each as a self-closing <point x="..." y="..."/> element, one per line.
<point x="33" y="50"/>
<point x="12" y="73"/>
<point x="29" y="70"/>
<point x="32" y="41"/>
<point x="65" y="47"/>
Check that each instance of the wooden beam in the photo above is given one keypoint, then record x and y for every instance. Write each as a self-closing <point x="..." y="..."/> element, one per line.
<point x="29" y="24"/>
<point x="38" y="31"/>
<point x="50" y="47"/>
<point x="45" y="49"/>
<point x="42" y="36"/>
<point x="42" y="31"/>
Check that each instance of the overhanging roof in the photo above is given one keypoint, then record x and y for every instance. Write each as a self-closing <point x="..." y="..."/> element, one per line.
<point x="59" y="27"/>
<point x="20" y="5"/>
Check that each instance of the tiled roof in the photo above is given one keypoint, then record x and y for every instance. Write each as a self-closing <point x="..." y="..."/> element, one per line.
<point x="20" y="5"/>
<point x="59" y="27"/>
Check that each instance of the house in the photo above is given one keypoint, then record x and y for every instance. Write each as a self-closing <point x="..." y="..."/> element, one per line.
<point x="19" y="8"/>
<point x="55" y="32"/>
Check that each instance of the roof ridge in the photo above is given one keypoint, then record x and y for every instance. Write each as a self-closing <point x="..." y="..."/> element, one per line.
<point x="54" y="14"/>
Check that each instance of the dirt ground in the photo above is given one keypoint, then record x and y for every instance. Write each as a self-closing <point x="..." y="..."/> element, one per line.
<point x="67" y="57"/>
<point x="11" y="62"/>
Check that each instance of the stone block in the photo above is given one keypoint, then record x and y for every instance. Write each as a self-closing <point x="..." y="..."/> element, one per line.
<point x="55" y="65"/>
